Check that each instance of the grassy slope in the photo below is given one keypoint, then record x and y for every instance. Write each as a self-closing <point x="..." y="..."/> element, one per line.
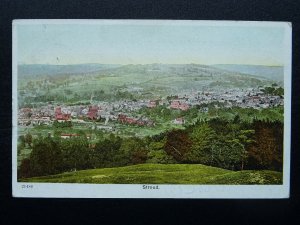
<point x="163" y="174"/>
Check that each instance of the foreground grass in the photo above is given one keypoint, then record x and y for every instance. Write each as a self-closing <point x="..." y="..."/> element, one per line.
<point x="163" y="174"/>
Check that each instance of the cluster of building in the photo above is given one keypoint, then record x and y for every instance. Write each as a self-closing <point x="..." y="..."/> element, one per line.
<point x="177" y="103"/>
<point x="27" y="116"/>
<point x="124" y="119"/>
<point x="122" y="111"/>
<point x="244" y="98"/>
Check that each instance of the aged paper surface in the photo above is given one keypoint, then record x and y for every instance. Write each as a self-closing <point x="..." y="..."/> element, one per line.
<point x="151" y="109"/>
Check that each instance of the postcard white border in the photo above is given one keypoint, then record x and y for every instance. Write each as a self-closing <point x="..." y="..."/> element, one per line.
<point x="55" y="190"/>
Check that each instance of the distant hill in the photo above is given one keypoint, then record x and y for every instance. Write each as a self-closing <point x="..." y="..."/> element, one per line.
<point x="271" y="72"/>
<point x="153" y="79"/>
<point x="164" y="79"/>
<point x="149" y="81"/>
<point x="171" y="69"/>
<point x="44" y="69"/>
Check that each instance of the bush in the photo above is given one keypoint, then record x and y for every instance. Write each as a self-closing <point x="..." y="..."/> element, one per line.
<point x="159" y="156"/>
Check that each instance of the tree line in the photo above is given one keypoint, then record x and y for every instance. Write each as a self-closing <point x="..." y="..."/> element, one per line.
<point x="230" y="144"/>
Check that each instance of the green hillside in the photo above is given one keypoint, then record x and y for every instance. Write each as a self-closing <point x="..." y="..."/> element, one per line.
<point x="111" y="83"/>
<point x="163" y="174"/>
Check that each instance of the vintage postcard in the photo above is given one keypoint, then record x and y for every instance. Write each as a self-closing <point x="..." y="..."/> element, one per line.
<point x="151" y="109"/>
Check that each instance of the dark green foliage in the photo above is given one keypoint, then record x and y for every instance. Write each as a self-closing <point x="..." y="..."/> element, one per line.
<point x="124" y="95"/>
<point x="230" y="144"/>
<point x="28" y="139"/>
<point x="274" y="90"/>
<point x="63" y="124"/>
<point x="76" y="154"/>
<point x="178" y="145"/>
<point x="106" y="150"/>
<point x="279" y="91"/>
<point x="267" y="150"/>
<point x="24" y="170"/>
<point x="159" y="156"/>
<point x="201" y="150"/>
<point x="46" y="157"/>
<point x="134" y="150"/>
<point x="22" y="141"/>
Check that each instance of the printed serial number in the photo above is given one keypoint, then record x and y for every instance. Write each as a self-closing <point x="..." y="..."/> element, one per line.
<point x="26" y="186"/>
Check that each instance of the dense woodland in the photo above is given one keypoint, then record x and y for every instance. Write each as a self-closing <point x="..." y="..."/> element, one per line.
<point x="231" y="144"/>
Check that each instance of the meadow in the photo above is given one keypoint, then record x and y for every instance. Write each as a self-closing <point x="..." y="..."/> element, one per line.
<point x="163" y="174"/>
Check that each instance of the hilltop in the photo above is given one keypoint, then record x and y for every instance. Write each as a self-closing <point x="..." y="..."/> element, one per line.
<point x="163" y="174"/>
<point x="46" y="69"/>
<point x="269" y="72"/>
<point x="258" y="71"/>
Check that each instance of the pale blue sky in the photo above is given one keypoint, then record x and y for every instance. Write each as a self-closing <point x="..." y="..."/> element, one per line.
<point x="143" y="44"/>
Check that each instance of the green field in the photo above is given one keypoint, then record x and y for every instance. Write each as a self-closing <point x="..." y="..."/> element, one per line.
<point x="163" y="174"/>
